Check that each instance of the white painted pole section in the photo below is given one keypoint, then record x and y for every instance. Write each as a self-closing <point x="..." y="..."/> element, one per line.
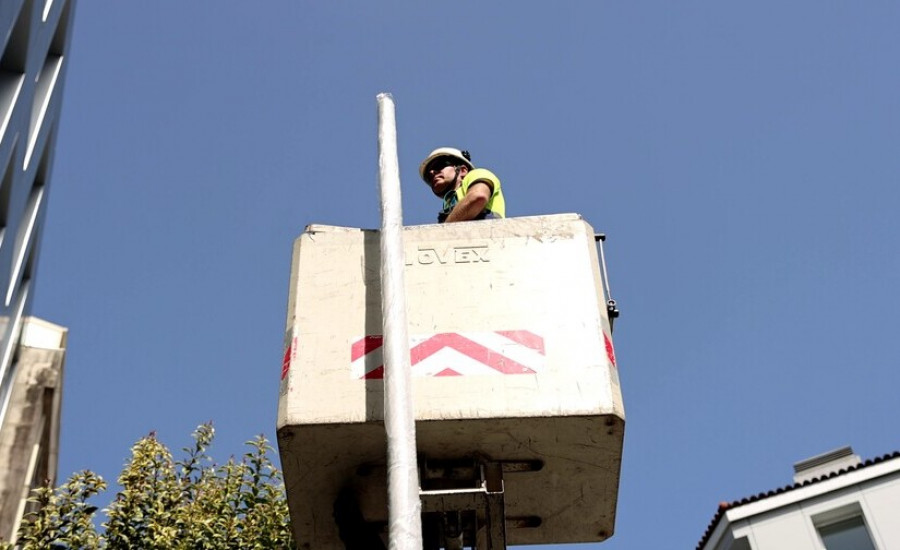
<point x="404" y="506"/>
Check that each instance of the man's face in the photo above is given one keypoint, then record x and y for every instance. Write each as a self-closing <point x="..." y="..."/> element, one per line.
<point x="442" y="174"/>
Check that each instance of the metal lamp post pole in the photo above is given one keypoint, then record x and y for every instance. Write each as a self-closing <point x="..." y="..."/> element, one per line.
<point x="404" y="506"/>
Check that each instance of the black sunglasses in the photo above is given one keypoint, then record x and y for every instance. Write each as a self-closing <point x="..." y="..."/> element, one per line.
<point x="440" y="163"/>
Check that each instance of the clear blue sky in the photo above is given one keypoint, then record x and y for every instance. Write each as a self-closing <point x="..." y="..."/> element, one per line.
<point x="742" y="158"/>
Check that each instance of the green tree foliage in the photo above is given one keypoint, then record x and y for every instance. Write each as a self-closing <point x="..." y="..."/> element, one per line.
<point x="168" y="504"/>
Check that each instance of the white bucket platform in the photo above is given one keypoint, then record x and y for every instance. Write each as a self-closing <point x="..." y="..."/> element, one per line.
<point x="512" y="364"/>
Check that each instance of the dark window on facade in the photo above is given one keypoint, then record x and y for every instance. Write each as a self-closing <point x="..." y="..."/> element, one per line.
<point x="847" y="534"/>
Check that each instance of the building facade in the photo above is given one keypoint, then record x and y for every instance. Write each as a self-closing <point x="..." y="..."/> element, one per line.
<point x="837" y="502"/>
<point x="34" y="45"/>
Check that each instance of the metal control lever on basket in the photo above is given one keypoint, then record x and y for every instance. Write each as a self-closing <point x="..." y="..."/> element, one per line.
<point x="611" y="309"/>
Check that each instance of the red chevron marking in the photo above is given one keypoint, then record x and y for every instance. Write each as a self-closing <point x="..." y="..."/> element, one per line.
<point x="526" y="338"/>
<point x="375" y="374"/>
<point x="286" y="362"/>
<point x="365" y="346"/>
<point x="448" y="372"/>
<point x="467" y="347"/>
<point x="610" y="352"/>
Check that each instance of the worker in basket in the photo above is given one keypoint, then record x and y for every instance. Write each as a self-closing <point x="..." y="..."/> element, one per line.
<point x="469" y="193"/>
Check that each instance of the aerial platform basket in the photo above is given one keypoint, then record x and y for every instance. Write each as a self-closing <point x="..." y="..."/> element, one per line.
<point x="512" y="364"/>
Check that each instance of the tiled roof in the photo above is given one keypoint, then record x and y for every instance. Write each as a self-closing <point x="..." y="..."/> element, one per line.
<point x="725" y="506"/>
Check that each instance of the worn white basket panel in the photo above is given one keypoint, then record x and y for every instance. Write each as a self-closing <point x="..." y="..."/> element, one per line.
<point x="511" y="356"/>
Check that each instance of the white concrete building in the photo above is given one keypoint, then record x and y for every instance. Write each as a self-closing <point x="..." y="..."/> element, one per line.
<point x="837" y="502"/>
<point x="29" y="442"/>
<point x="34" y="45"/>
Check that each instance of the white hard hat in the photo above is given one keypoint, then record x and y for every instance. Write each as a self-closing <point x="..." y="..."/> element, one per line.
<point x="462" y="156"/>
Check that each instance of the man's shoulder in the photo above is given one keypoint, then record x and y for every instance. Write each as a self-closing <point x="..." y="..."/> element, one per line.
<point x="481" y="174"/>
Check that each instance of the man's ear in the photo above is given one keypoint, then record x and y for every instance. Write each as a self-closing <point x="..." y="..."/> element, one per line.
<point x="463" y="170"/>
